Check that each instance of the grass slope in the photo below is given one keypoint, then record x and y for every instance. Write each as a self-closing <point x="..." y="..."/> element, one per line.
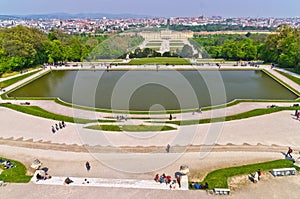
<point x="252" y="113"/>
<point x="131" y="128"/>
<point x="16" y="79"/>
<point x="37" y="111"/>
<point x="218" y="178"/>
<point x="16" y="174"/>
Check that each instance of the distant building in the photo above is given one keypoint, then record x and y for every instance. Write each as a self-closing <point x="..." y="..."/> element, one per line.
<point x="167" y="34"/>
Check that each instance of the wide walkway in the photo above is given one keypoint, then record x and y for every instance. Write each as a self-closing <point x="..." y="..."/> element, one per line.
<point x="108" y="182"/>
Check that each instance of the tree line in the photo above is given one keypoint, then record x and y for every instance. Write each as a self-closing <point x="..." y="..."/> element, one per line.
<point x="281" y="48"/>
<point x="22" y="47"/>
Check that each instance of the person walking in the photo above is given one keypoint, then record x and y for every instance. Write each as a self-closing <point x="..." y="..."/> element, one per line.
<point x="87" y="166"/>
<point x="289" y="152"/>
<point x="168" y="148"/>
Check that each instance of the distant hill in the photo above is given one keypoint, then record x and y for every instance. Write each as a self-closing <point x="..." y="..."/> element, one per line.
<point x="8" y="17"/>
<point x="73" y="16"/>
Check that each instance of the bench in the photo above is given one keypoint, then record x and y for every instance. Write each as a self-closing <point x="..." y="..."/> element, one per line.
<point x="284" y="172"/>
<point x="221" y="191"/>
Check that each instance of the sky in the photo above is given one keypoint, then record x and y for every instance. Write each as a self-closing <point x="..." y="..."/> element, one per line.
<point x="159" y="8"/>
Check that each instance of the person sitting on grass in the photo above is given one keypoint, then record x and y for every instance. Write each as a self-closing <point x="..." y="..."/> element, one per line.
<point x="205" y="186"/>
<point x="192" y="185"/>
<point x="197" y="186"/>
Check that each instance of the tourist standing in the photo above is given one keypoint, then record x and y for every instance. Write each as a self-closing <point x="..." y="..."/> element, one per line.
<point x="168" y="148"/>
<point x="87" y="166"/>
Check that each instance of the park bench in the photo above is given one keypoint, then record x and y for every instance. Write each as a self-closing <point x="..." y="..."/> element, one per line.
<point x="284" y="172"/>
<point x="221" y="191"/>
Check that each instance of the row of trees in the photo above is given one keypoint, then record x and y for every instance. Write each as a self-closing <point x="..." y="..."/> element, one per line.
<point x="115" y="47"/>
<point x="282" y="48"/>
<point x="232" y="47"/>
<point x="22" y="47"/>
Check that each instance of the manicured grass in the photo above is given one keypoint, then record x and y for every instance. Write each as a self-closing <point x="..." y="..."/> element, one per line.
<point x="37" y="111"/>
<point x="293" y="70"/>
<point x="16" y="79"/>
<point x="153" y="44"/>
<point x="248" y="114"/>
<point x="131" y="128"/>
<point x="177" y="44"/>
<point x="294" y="79"/>
<point x="160" y="60"/>
<point x="155" y="41"/>
<point x="16" y="174"/>
<point x="218" y="178"/>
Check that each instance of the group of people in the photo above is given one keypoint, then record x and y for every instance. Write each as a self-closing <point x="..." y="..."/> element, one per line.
<point x="194" y="185"/>
<point x="256" y="176"/>
<point x="173" y="184"/>
<point x="58" y="126"/>
<point x="121" y="117"/>
<point x="43" y="177"/>
<point x="7" y="164"/>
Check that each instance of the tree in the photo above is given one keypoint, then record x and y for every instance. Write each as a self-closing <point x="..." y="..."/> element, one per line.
<point x="187" y="52"/>
<point x="56" y="52"/>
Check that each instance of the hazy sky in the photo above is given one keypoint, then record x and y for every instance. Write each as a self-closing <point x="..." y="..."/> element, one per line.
<point x="167" y="8"/>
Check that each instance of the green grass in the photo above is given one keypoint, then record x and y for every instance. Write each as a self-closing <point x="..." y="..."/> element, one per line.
<point x="130" y="128"/>
<point x="153" y="44"/>
<point x="16" y="174"/>
<point x="175" y="48"/>
<point x="218" y="178"/>
<point x="160" y="60"/>
<point x="291" y="77"/>
<point x="293" y="70"/>
<point x="14" y="80"/>
<point x="39" y="112"/>
<point x="177" y="44"/>
<point x="248" y="114"/>
<point x="176" y="41"/>
<point x="155" y="41"/>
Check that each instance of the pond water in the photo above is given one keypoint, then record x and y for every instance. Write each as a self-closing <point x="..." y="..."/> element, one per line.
<point x="154" y="90"/>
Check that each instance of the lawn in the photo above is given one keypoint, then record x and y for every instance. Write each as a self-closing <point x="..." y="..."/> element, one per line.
<point x="218" y="178"/>
<point x="153" y="44"/>
<point x="160" y="60"/>
<point x="16" y="174"/>
<point x="16" y="79"/>
<point x="130" y="128"/>
<point x="248" y="114"/>
<point x="177" y="44"/>
<point x="294" y="79"/>
<point x="39" y="112"/>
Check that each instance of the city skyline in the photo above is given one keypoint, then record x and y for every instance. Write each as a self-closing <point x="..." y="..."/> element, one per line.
<point x="156" y="8"/>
